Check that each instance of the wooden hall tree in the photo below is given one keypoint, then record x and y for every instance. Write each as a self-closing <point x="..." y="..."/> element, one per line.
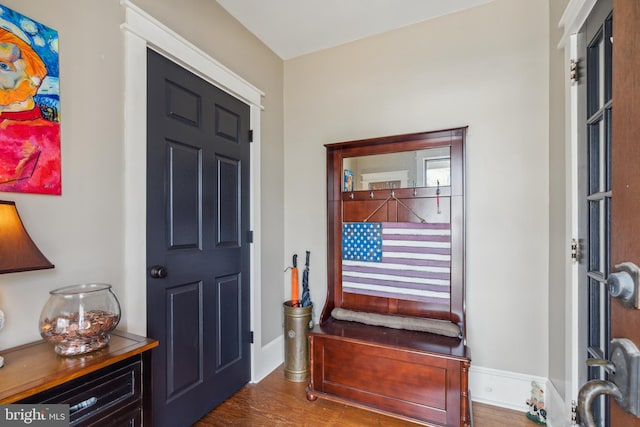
<point x="395" y="254"/>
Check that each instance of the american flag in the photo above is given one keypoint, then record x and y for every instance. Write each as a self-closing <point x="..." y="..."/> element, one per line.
<point x="404" y="260"/>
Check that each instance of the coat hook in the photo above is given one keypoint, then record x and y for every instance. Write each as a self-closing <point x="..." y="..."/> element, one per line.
<point x="438" y="196"/>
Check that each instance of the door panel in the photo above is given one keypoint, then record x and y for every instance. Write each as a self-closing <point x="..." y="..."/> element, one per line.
<point x="185" y="351"/>
<point x="183" y="104"/>
<point x="184" y="193"/>
<point x="229" y="330"/>
<point x="227" y="124"/>
<point x="228" y="202"/>
<point x="197" y="216"/>
<point x="626" y="165"/>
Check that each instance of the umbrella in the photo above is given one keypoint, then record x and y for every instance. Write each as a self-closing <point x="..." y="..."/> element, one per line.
<point x="306" y="297"/>
<point x="295" y="299"/>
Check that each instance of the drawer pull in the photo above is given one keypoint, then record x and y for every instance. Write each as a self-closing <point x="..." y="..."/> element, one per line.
<point x="83" y="405"/>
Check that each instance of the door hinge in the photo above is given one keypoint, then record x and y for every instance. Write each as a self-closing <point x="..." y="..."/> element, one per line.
<point x="250" y="236"/>
<point x="575" y="250"/>
<point x="574" y="71"/>
<point x="251" y="337"/>
<point x="574" y="413"/>
<point x="251" y="135"/>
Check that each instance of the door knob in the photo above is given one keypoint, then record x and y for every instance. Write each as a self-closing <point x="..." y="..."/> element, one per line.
<point x="158" y="272"/>
<point x="623" y="284"/>
<point x="587" y="395"/>
<point x="624" y="371"/>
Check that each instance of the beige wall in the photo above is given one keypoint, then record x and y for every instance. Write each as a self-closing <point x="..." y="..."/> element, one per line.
<point x="81" y="231"/>
<point x="488" y="68"/>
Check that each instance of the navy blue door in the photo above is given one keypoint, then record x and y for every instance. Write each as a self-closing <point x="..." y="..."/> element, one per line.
<point x="197" y="249"/>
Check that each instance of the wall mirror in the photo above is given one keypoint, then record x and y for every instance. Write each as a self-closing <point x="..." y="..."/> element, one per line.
<point x="430" y="167"/>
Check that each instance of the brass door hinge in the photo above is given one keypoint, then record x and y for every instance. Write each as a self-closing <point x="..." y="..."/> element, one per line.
<point x="574" y="413"/>
<point x="574" y="71"/>
<point x="575" y="250"/>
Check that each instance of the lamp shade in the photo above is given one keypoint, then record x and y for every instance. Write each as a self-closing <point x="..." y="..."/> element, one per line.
<point x="17" y="250"/>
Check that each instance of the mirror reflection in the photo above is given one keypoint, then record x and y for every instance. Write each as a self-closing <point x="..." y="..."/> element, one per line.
<point x="408" y="169"/>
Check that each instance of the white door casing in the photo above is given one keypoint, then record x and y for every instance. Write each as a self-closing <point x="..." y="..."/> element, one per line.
<point x="572" y="20"/>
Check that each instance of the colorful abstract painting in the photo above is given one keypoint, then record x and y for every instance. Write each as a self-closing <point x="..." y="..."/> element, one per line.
<point x="29" y="106"/>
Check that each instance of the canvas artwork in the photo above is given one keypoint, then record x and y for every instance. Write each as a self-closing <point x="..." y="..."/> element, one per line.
<point x="29" y="106"/>
<point x="348" y="180"/>
<point x="403" y="260"/>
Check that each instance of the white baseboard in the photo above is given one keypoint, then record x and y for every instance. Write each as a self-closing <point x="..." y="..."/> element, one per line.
<point x="267" y="359"/>
<point x="502" y="388"/>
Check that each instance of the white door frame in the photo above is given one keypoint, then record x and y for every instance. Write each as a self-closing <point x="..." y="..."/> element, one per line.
<point x="572" y="20"/>
<point x="141" y="31"/>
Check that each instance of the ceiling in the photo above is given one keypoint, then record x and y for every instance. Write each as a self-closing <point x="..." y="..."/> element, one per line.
<point x="296" y="27"/>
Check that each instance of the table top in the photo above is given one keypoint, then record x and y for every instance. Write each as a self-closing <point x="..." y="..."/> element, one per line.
<point x="35" y="367"/>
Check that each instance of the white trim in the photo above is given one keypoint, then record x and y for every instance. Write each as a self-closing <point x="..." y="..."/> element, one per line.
<point x="502" y="388"/>
<point x="272" y="356"/>
<point x="573" y="18"/>
<point x="558" y="412"/>
<point x="258" y="357"/>
<point x="135" y="187"/>
<point x="577" y="315"/>
<point x="141" y="31"/>
<point x="180" y="50"/>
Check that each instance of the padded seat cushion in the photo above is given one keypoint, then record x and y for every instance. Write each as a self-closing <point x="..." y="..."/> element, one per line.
<point x="434" y="326"/>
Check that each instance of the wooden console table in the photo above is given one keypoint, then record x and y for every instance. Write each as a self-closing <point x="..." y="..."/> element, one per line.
<point x="111" y="383"/>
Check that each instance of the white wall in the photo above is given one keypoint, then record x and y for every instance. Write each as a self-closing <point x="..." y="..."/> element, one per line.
<point x="488" y="68"/>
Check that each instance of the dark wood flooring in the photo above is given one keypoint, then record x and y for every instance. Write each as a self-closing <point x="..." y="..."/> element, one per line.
<point x="276" y="402"/>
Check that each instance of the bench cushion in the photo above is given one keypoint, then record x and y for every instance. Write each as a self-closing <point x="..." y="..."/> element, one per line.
<point x="440" y="327"/>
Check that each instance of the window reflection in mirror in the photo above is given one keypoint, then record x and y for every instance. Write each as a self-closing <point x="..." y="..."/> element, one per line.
<point x="422" y="168"/>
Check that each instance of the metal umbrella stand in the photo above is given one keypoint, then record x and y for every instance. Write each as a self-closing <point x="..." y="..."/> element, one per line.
<point x="297" y="321"/>
<point x="296" y="346"/>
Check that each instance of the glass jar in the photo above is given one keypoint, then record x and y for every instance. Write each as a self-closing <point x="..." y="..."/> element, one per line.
<point x="77" y="319"/>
